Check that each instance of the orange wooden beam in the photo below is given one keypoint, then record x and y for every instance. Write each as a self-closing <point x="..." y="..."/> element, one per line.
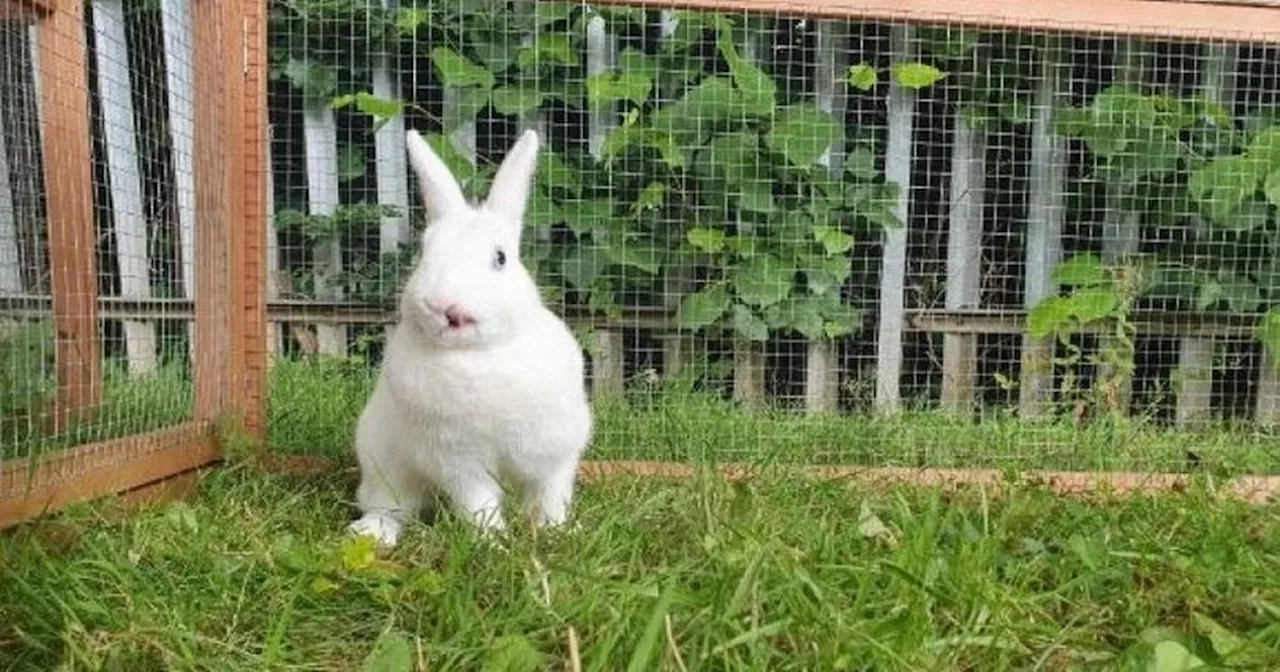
<point x="68" y="181"/>
<point x="32" y="488"/>
<point x="1234" y="21"/>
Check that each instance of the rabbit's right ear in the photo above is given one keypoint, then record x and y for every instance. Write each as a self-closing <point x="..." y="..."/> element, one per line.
<point x="440" y="191"/>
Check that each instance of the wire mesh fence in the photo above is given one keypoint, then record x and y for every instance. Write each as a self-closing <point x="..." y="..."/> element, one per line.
<point x="98" y="300"/>
<point x="873" y="242"/>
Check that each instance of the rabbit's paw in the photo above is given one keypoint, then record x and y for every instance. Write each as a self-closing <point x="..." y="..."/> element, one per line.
<point x="384" y="529"/>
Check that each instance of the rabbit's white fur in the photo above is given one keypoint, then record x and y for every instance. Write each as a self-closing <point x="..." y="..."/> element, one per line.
<point x="458" y="410"/>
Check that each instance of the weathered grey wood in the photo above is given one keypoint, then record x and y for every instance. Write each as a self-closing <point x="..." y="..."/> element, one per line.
<point x="677" y="281"/>
<point x="893" y="267"/>
<point x="176" y="25"/>
<point x="1194" y="375"/>
<point x="831" y="51"/>
<point x="607" y="363"/>
<point x="274" y="332"/>
<point x="1045" y="216"/>
<point x="320" y="133"/>
<point x="1267" y="405"/>
<point x="964" y="259"/>
<point x="10" y="259"/>
<point x="748" y="357"/>
<point x="128" y="221"/>
<point x="1121" y="228"/>
<point x="749" y="374"/>
<point x="390" y="156"/>
<point x="1194" y="381"/>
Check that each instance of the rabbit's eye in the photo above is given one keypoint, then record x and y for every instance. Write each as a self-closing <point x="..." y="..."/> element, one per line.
<point x="499" y="259"/>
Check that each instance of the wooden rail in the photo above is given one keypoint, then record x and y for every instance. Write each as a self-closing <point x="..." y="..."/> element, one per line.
<point x="1167" y="19"/>
<point x="932" y="320"/>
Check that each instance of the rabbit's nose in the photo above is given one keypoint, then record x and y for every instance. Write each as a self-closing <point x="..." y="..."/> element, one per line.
<point x="456" y="316"/>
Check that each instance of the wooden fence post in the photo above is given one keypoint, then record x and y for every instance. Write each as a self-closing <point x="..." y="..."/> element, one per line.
<point x="68" y="178"/>
<point x="1194" y="375"/>
<point x="748" y="357"/>
<point x="964" y="260"/>
<point x="607" y="367"/>
<point x="1122" y="226"/>
<point x="176" y="25"/>
<point x="128" y="221"/>
<point x="831" y="51"/>
<point x="1045" y="215"/>
<point x="893" y="266"/>
<point x="320" y="130"/>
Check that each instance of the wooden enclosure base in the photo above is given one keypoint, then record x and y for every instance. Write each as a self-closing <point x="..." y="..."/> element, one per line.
<point x="1251" y="489"/>
<point x="97" y="470"/>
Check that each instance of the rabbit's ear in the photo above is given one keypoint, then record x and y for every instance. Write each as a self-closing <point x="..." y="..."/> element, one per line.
<point x="440" y="191"/>
<point x="509" y="194"/>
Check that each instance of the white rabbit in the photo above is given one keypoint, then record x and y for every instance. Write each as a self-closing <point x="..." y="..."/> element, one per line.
<point x="481" y="383"/>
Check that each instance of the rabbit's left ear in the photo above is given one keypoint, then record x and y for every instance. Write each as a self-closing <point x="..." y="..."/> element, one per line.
<point x="509" y="194"/>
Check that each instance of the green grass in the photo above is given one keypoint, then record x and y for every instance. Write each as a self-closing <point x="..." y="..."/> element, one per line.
<point x="130" y="405"/>
<point x="313" y="408"/>
<point x="255" y="574"/>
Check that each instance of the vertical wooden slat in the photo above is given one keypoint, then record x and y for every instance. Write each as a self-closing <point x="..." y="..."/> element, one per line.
<point x="1045" y="216"/>
<point x="1121" y="227"/>
<point x="964" y="260"/>
<point x="213" y="150"/>
<point x="748" y="357"/>
<point x="677" y="278"/>
<point x="893" y="266"/>
<point x="176" y="25"/>
<point x="608" y="366"/>
<point x="64" y="94"/>
<point x="128" y="221"/>
<point x="1194" y="376"/>
<point x="831" y="46"/>
<point x="251" y="267"/>
<point x="10" y="258"/>
<point x="320" y="130"/>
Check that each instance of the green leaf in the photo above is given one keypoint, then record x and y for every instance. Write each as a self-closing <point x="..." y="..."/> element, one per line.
<point x="1223" y="184"/>
<point x="712" y="101"/>
<point x="748" y="326"/>
<point x="763" y="280"/>
<point x="705" y="239"/>
<point x="469" y="103"/>
<point x="515" y="100"/>
<point x="359" y="553"/>
<point x="628" y="85"/>
<point x="458" y="163"/>
<point x="916" y="75"/>
<point x="513" y="653"/>
<point x="583" y="265"/>
<point x="862" y="76"/>
<point x="1267" y="331"/>
<point x="1092" y="304"/>
<point x="861" y="164"/>
<point x="1051" y="315"/>
<point x="391" y="653"/>
<point x="833" y="240"/>
<point x="704" y="307"/>
<point x="1082" y="270"/>
<point x="643" y="257"/>
<point x="1170" y="656"/>
<point x="549" y="49"/>
<point x="825" y="274"/>
<point x="841" y="320"/>
<point x="802" y="133"/>
<point x="734" y="158"/>
<point x="799" y="313"/>
<point x="1232" y="648"/>
<point x="457" y="71"/>
<point x="1272" y="188"/>
<point x="409" y="19"/>
<point x="1208" y="294"/>
<point x="555" y="174"/>
<point x="757" y="91"/>
<point x="590" y="215"/>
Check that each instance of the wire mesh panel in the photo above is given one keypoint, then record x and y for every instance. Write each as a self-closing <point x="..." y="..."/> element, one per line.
<point x="98" y="224"/>
<point x="812" y="238"/>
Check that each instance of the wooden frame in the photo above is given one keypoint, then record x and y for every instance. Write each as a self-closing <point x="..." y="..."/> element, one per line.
<point x="1187" y="19"/>
<point x="228" y="308"/>
<point x="230" y="300"/>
